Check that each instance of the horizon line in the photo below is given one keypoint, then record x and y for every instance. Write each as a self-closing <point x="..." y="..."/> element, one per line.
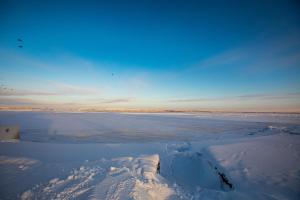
<point x="136" y="110"/>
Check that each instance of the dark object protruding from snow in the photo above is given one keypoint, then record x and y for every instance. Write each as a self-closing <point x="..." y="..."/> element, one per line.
<point x="225" y="180"/>
<point x="9" y="132"/>
<point x="158" y="167"/>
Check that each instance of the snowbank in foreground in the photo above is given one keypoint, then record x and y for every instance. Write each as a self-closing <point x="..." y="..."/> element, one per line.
<point x="134" y="179"/>
<point x="265" y="167"/>
<point x="128" y="178"/>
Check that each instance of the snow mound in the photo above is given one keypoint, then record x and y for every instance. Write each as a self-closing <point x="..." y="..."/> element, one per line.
<point x="20" y="162"/>
<point x="27" y="195"/>
<point x="134" y="179"/>
<point x="193" y="173"/>
<point x="266" y="165"/>
<point x="75" y="185"/>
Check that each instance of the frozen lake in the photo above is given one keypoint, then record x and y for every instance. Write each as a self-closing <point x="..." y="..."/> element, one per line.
<point x="116" y="156"/>
<point x="121" y="128"/>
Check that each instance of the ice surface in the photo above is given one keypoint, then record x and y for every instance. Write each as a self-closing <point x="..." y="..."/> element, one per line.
<point x="120" y="128"/>
<point x="151" y="156"/>
<point x="268" y="165"/>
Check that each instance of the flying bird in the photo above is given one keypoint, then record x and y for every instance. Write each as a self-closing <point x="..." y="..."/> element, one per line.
<point x="20" y="43"/>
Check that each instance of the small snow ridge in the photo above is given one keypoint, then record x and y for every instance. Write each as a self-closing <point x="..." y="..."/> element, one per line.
<point x="134" y="179"/>
<point x="178" y="147"/>
<point x="77" y="183"/>
<point x="21" y="162"/>
<point x="27" y="195"/>
<point x="268" y="130"/>
<point x="293" y="130"/>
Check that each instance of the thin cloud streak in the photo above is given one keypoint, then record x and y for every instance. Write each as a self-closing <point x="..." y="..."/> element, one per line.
<point x="270" y="96"/>
<point x="241" y="97"/>
<point x="6" y="100"/>
<point x="74" y="89"/>
<point x="28" y="93"/>
<point x="284" y="52"/>
<point x="112" y="101"/>
<point x="59" y="89"/>
<point x="17" y="101"/>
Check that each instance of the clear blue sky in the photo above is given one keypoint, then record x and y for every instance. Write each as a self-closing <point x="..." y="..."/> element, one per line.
<point x="206" y="55"/>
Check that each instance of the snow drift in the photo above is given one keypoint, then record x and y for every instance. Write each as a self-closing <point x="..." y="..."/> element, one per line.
<point x="134" y="179"/>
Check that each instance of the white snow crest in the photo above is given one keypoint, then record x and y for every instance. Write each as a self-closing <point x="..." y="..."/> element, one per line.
<point x="77" y="183"/>
<point x="134" y="179"/>
<point x="27" y="195"/>
<point x="21" y="162"/>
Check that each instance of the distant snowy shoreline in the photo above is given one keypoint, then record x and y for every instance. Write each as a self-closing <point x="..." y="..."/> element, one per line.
<point x="146" y="111"/>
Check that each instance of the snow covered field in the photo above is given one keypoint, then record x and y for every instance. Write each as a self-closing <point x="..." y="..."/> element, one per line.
<point x="151" y="156"/>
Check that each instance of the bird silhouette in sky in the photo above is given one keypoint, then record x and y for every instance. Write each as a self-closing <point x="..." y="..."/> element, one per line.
<point x="20" y="43"/>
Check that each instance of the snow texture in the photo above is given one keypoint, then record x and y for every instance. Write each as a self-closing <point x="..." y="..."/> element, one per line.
<point x="151" y="156"/>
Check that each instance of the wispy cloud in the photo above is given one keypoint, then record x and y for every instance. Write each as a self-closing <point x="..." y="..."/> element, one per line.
<point x="121" y="100"/>
<point x="269" y="53"/>
<point x="293" y="95"/>
<point x="89" y="77"/>
<point x="21" y="92"/>
<point x="59" y="89"/>
<point x="193" y="100"/>
<point x="14" y="58"/>
<point x="110" y="100"/>
<point x="17" y="101"/>
<point x="241" y="98"/>
<point x="63" y="64"/>
<point x="67" y="89"/>
<point x="20" y="101"/>
<point x="222" y="59"/>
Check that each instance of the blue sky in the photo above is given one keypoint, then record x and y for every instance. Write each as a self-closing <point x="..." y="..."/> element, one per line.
<point x="205" y="55"/>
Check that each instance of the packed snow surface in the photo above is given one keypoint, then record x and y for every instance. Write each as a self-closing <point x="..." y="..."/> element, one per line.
<point x="151" y="156"/>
